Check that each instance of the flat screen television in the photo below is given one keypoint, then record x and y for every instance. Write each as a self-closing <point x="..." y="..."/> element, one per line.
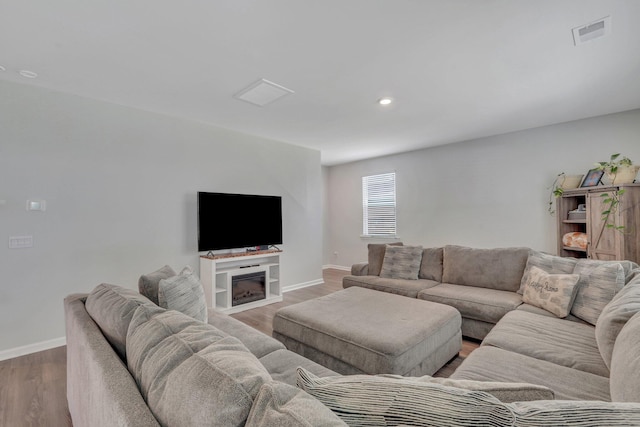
<point x="233" y="221"/>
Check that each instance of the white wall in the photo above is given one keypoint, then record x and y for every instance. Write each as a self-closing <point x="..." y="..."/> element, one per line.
<point x="120" y="186"/>
<point x="490" y="192"/>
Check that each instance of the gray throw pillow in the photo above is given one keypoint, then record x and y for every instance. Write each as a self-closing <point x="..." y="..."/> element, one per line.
<point x="190" y="373"/>
<point x="431" y="264"/>
<point x="148" y="283"/>
<point x="282" y="405"/>
<point x="574" y="413"/>
<point x="112" y="308"/>
<point x="614" y="316"/>
<point x="183" y="293"/>
<point x="624" y="379"/>
<point x="376" y="256"/>
<point x="503" y="391"/>
<point x="599" y="282"/>
<point x="401" y="262"/>
<point x="548" y="263"/>
<point x="366" y="400"/>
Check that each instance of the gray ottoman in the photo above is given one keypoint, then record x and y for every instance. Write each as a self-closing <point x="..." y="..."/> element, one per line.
<point x="359" y="330"/>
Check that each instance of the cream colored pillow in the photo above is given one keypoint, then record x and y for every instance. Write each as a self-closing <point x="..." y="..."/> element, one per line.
<point x="552" y="292"/>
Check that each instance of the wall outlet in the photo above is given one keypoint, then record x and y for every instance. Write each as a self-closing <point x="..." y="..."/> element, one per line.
<point x="19" y="242"/>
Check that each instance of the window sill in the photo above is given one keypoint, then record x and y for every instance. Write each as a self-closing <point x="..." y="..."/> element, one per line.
<point x="380" y="237"/>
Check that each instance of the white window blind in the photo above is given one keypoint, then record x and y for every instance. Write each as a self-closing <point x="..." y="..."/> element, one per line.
<point x="379" y="205"/>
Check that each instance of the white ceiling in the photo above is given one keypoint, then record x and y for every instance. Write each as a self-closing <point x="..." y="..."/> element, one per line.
<point x="457" y="69"/>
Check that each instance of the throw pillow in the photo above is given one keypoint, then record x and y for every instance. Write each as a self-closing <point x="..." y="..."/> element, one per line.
<point x="614" y="316"/>
<point x="365" y="400"/>
<point x="624" y="379"/>
<point x="183" y="293"/>
<point x="148" y="283"/>
<point x="431" y="264"/>
<point x="549" y="263"/>
<point x="553" y="292"/>
<point x="504" y="392"/>
<point x="190" y="373"/>
<point x="112" y="308"/>
<point x="401" y="262"/>
<point x="575" y="413"/>
<point x="376" y="256"/>
<point x="282" y="405"/>
<point x="599" y="282"/>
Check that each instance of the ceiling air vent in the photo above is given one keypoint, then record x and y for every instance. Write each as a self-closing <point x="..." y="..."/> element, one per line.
<point x="593" y="30"/>
<point x="262" y="92"/>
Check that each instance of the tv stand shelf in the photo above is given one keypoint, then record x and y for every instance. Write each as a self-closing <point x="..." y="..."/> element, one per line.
<point x="217" y="272"/>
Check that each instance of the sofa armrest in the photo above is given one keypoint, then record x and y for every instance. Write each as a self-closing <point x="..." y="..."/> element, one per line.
<point x="100" y="389"/>
<point x="360" y="269"/>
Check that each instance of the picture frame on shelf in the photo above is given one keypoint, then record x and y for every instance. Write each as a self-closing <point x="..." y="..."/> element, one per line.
<point x="592" y="178"/>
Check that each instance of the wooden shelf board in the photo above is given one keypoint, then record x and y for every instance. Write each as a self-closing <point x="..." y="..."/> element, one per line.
<point x="567" y="248"/>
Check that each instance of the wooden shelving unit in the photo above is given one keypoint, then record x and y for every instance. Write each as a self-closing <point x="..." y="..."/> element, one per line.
<point x="602" y="243"/>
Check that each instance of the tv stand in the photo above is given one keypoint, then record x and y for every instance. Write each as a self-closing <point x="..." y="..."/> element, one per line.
<point x="217" y="272"/>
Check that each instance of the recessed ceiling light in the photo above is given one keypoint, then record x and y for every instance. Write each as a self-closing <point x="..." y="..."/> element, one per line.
<point x="28" y="74"/>
<point x="385" y="101"/>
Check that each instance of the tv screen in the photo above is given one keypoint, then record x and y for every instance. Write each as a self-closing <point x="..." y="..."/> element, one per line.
<point x="232" y="221"/>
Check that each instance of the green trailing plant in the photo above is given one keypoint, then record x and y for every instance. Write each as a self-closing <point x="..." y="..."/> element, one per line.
<point x="556" y="191"/>
<point x="612" y="199"/>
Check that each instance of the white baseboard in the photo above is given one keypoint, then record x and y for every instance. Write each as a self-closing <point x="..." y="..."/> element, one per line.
<point x="302" y="285"/>
<point x="32" y="348"/>
<point x="336" y="267"/>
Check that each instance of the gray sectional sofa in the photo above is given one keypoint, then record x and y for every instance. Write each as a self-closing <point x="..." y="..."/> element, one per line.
<point x="133" y="363"/>
<point x="583" y="356"/>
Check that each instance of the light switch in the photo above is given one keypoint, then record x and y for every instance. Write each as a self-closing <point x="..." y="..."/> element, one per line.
<point x="36" y="205"/>
<point x="19" y="242"/>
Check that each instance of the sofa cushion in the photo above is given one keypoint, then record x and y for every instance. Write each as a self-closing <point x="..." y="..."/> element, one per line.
<point x="549" y="263"/>
<point x="499" y="268"/>
<point x="189" y="372"/>
<point x="407" y="288"/>
<point x="599" y="282"/>
<point x="488" y="305"/>
<point x="552" y="292"/>
<point x="282" y="405"/>
<point x="614" y="316"/>
<point x="183" y="293"/>
<point x="256" y="342"/>
<point x="563" y="413"/>
<point x="431" y="264"/>
<point x="148" y="283"/>
<point x="503" y="391"/>
<point x="282" y="365"/>
<point x="558" y="341"/>
<point x="542" y="312"/>
<point x="365" y="400"/>
<point x="495" y="364"/>
<point x="112" y="308"/>
<point x="401" y="262"/>
<point x="625" y="363"/>
<point x="376" y="256"/>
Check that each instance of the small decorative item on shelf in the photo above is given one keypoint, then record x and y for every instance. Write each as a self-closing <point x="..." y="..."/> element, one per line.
<point x="618" y="172"/>
<point x="575" y="240"/>
<point x="579" y="213"/>
<point x="561" y="183"/>
<point x="593" y="178"/>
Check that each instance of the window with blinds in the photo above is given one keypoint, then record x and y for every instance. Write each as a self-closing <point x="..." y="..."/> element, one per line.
<point x="379" y="205"/>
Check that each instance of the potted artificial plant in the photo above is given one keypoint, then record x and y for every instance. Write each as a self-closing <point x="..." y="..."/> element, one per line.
<point x="561" y="183"/>
<point x="618" y="172"/>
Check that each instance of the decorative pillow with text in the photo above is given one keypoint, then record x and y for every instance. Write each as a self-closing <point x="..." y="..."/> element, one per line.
<point x="552" y="292"/>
